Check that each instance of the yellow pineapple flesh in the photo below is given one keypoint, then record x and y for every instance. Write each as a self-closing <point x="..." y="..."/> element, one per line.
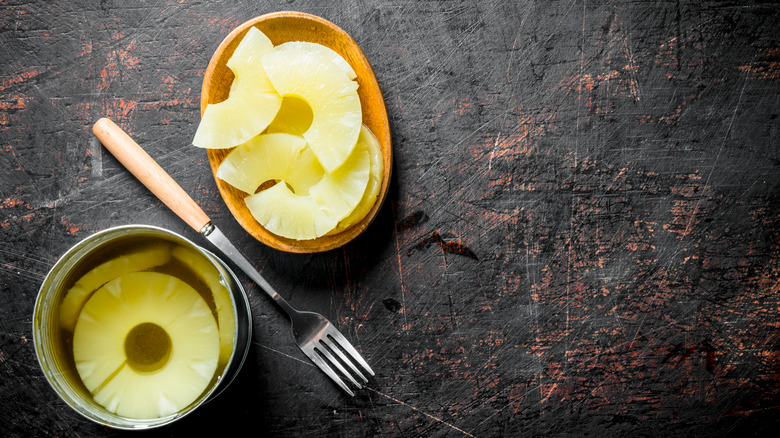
<point x="120" y="350"/>
<point x="79" y="293"/>
<point x="332" y="96"/>
<point x="266" y="157"/>
<point x="340" y="191"/>
<point x="294" y="117"/>
<point x="327" y="52"/>
<point x="326" y="165"/>
<point x="368" y="140"/>
<point x="209" y="274"/>
<point x="286" y="214"/>
<point x="303" y="217"/>
<point x="252" y="103"/>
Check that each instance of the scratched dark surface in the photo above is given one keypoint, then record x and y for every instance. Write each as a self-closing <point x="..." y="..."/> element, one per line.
<point x="582" y="235"/>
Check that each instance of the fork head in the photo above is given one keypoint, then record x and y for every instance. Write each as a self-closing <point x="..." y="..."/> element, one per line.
<point x="329" y="349"/>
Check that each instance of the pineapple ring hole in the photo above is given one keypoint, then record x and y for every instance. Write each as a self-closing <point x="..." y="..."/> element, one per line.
<point x="147" y="347"/>
<point x="295" y="116"/>
<point x="267" y="185"/>
<point x="270" y="183"/>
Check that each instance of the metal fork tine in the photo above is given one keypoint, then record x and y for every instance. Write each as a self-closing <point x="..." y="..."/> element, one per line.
<point x="334" y="347"/>
<point x="327" y="369"/>
<point x="341" y="340"/>
<point x="330" y="343"/>
<point x="324" y="351"/>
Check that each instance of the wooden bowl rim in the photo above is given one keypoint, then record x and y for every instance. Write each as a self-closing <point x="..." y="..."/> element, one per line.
<point x="324" y="243"/>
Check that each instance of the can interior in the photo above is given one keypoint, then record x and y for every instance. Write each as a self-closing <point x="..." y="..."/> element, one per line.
<point x="54" y="345"/>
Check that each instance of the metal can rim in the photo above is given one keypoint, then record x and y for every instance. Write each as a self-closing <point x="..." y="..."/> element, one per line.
<point x="66" y="262"/>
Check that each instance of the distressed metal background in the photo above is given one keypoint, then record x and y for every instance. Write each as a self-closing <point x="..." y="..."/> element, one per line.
<point x="582" y="235"/>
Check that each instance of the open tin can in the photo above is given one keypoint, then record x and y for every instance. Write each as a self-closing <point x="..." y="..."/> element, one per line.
<point x="56" y="318"/>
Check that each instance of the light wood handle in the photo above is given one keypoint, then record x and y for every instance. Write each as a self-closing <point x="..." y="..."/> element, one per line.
<point x="140" y="164"/>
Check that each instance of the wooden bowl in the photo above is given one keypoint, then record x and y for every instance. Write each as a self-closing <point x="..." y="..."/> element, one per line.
<point x="281" y="27"/>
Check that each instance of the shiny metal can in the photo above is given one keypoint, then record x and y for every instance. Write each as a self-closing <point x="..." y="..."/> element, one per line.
<point x="54" y="342"/>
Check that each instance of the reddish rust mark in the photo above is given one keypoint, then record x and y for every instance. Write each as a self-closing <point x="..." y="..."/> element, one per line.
<point x="19" y="78"/>
<point x="118" y="60"/>
<point x="11" y="202"/>
<point x="683" y="353"/>
<point x="520" y="142"/>
<point x="765" y="66"/>
<point x="70" y="227"/>
<point x="9" y="107"/>
<point x="462" y="107"/>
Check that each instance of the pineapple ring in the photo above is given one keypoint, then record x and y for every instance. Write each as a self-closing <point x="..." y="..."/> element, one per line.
<point x="101" y="354"/>
<point x="225" y="316"/>
<point x="374" y="182"/>
<point x="253" y="101"/>
<point x="332" y="96"/>
<point x="303" y="217"/>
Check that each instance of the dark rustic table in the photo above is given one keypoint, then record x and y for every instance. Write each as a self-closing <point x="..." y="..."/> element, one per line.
<point x="582" y="235"/>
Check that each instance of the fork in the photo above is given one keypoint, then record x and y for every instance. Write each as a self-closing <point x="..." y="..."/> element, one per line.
<point x="319" y="340"/>
<point x="315" y="335"/>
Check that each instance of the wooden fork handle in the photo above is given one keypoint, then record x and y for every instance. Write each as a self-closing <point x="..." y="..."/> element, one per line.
<point x="140" y="164"/>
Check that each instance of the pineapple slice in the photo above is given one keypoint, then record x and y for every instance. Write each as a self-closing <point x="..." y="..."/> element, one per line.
<point x="271" y="156"/>
<point x="253" y="101"/>
<point x="371" y="143"/>
<point x="333" y="98"/>
<point x="79" y="293"/>
<point x="252" y="47"/>
<point x="319" y="48"/>
<point x="209" y="274"/>
<point x="286" y="214"/>
<point x="341" y="191"/>
<point x="303" y="217"/>
<point x="146" y="345"/>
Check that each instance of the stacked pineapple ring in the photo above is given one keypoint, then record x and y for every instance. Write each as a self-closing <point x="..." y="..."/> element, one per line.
<point x="145" y="343"/>
<point x="294" y="117"/>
